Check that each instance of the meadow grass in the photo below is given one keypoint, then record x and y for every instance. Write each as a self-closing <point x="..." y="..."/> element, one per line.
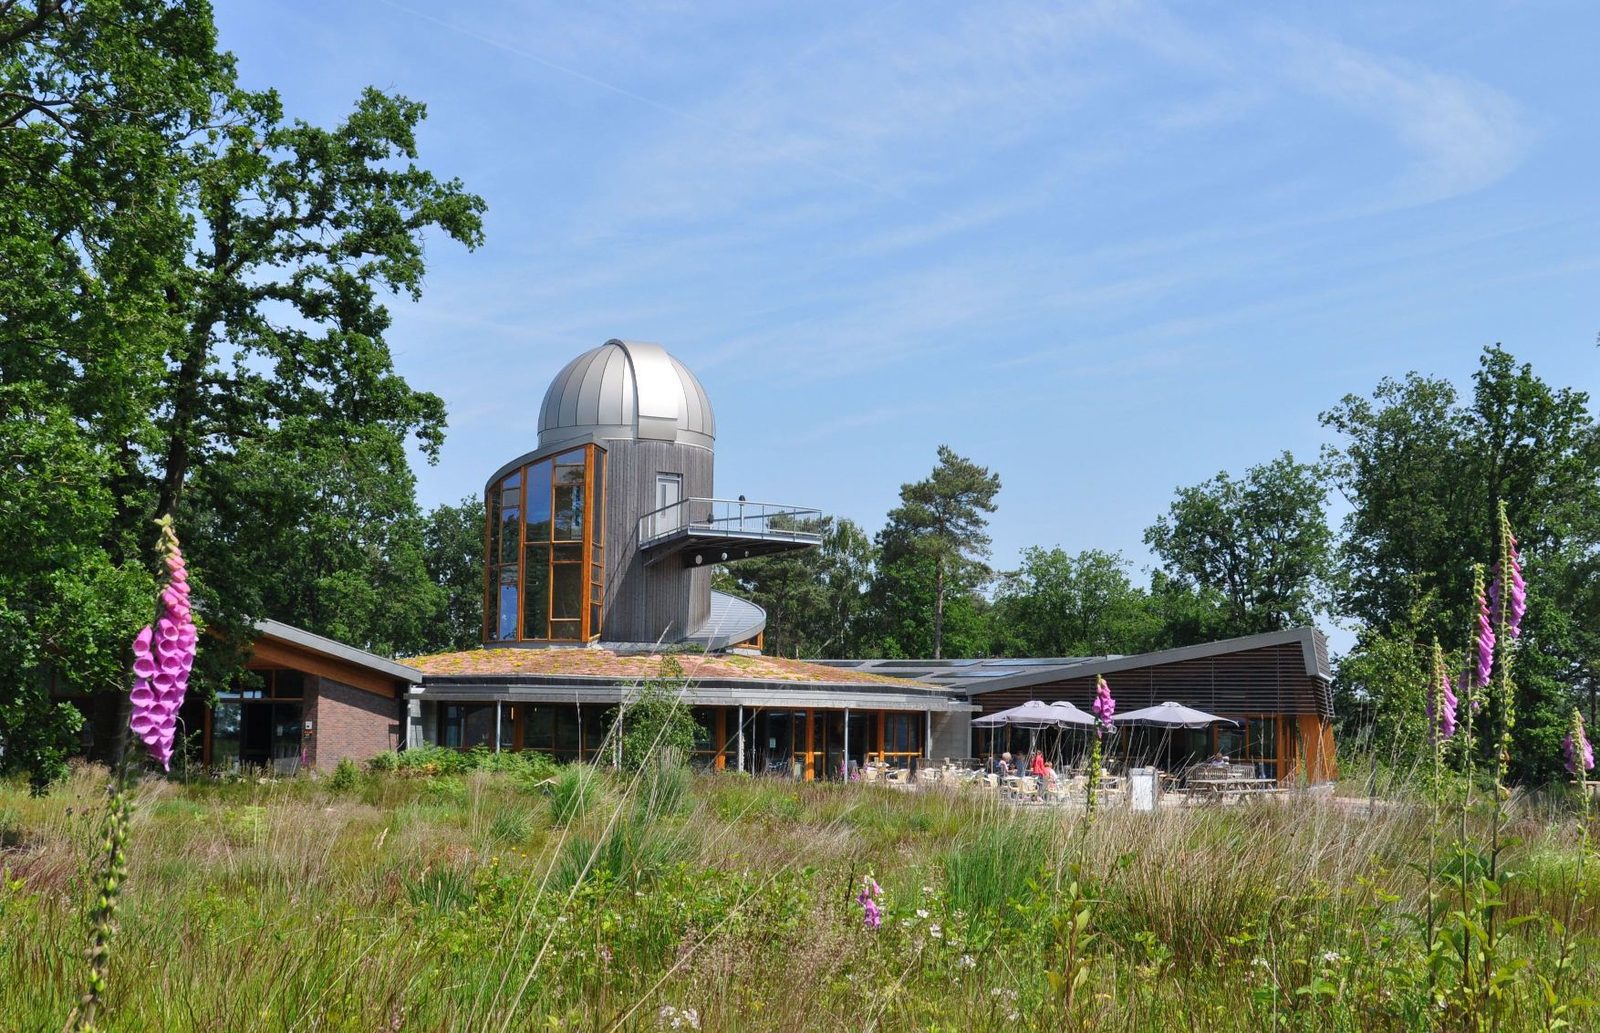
<point x="434" y="898"/>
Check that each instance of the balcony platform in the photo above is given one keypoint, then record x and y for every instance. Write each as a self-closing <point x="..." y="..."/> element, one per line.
<point x="700" y="532"/>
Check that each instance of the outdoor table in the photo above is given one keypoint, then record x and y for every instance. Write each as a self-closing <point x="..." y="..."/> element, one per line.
<point x="1222" y="786"/>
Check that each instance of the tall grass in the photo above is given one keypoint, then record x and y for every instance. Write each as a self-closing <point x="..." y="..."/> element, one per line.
<point x="455" y="900"/>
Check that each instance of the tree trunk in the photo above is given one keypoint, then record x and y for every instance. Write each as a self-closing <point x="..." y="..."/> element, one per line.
<point x="938" y="610"/>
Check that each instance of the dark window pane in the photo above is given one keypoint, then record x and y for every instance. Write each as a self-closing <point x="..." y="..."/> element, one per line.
<point x="288" y="684"/>
<point x="566" y="729"/>
<point x="506" y="627"/>
<point x="478" y="728"/>
<point x="536" y="730"/>
<point x="509" y="534"/>
<point x="225" y="736"/>
<point x="493" y="516"/>
<point x="568" y="554"/>
<point x="569" y="512"/>
<point x="536" y="593"/>
<point x="570" y="458"/>
<point x="539" y="502"/>
<point x="566" y="631"/>
<point x="594" y="619"/>
<point x="599" y="497"/>
<point x="567" y="599"/>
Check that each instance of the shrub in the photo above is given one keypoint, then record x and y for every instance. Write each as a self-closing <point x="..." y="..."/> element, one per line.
<point x="345" y="776"/>
<point x="572" y="793"/>
<point x="383" y="762"/>
<point x="656" y="726"/>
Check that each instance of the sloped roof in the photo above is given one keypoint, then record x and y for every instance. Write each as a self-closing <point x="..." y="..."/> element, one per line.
<point x="979" y="676"/>
<point x="271" y="629"/>
<point x="610" y="665"/>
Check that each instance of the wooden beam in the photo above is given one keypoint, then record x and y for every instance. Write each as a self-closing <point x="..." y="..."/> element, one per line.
<point x="267" y="652"/>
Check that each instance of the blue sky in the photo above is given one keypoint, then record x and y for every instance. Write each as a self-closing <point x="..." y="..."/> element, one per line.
<point x="1106" y="249"/>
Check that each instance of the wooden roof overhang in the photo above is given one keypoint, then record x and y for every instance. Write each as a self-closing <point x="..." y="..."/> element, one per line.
<point x="282" y="645"/>
<point x="699" y="692"/>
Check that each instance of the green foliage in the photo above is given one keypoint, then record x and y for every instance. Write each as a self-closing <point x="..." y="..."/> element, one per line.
<point x="1061" y="605"/>
<point x="816" y="599"/>
<point x="1261" y="543"/>
<point x="452" y="539"/>
<point x="192" y="287"/>
<point x="938" y="536"/>
<point x="1425" y="472"/>
<point x="572" y="792"/>
<point x="1303" y="918"/>
<point x="657" y="727"/>
<point x="345" y="777"/>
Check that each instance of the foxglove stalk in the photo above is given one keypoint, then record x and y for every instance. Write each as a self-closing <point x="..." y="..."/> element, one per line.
<point x="1508" y="594"/>
<point x="1104" y="706"/>
<point x="163" y="656"/>
<point x="1441" y="699"/>
<point x="1485" y="636"/>
<point x="872" y="914"/>
<point x="1576" y="750"/>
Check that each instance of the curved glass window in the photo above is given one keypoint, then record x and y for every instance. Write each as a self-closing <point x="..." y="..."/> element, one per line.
<point x="546" y="560"/>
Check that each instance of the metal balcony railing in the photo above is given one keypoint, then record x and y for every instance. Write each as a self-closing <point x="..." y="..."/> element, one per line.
<point x="733" y="520"/>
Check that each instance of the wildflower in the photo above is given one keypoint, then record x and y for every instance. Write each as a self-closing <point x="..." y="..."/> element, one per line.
<point x="677" y="1018"/>
<point x="163" y="656"/>
<point x="1332" y="957"/>
<point x="872" y="914"/>
<point x="966" y="961"/>
<point x="1104" y="706"/>
<point x="1576" y="750"/>
<point x="1485" y="635"/>
<point x="922" y="912"/>
<point x="1442" y="700"/>
<point x="934" y="931"/>
<point x="1508" y="605"/>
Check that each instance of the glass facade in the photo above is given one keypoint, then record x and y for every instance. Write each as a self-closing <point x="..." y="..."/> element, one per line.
<point x="257" y="723"/>
<point x="545" y="545"/>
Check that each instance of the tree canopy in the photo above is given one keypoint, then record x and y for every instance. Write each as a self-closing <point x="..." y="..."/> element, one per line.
<point x="193" y="297"/>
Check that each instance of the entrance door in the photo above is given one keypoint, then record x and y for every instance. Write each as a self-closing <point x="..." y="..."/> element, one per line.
<point x="669" y="492"/>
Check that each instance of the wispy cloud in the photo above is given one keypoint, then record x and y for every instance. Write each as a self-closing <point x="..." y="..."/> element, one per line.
<point x="1462" y="135"/>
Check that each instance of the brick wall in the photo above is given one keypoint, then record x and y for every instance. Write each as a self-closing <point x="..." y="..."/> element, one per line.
<point x="349" y="722"/>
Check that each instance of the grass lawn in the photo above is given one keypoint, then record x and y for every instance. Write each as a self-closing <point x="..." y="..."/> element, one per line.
<point x="406" y="901"/>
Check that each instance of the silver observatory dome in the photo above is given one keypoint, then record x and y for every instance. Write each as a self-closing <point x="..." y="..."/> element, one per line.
<point x="628" y="391"/>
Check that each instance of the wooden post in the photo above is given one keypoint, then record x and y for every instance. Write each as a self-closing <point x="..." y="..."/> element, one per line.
<point x="845" y="764"/>
<point x="741" y="737"/>
<point x="811" y="720"/>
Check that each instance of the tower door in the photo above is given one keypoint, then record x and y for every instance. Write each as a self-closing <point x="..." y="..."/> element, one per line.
<point x="669" y="492"/>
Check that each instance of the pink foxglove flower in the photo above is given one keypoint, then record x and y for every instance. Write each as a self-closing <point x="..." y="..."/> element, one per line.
<point x="1442" y="703"/>
<point x="872" y="914"/>
<point x="1576" y="749"/>
<point x="163" y="655"/>
<point x="1104" y="707"/>
<point x="1485" y="636"/>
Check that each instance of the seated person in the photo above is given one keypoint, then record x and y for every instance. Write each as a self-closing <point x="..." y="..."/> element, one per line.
<point x="1218" y="760"/>
<point x="1036" y="769"/>
<point x="1049" y="774"/>
<point x="1005" y="767"/>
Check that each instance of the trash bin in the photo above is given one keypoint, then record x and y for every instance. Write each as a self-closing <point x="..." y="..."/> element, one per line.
<point x="1142" y="788"/>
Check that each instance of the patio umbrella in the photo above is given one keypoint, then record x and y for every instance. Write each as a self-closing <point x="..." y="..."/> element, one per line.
<point x="1034" y="714"/>
<point x="1172" y="715"/>
<point x="1075" y="715"/>
<point x="1031" y="715"/>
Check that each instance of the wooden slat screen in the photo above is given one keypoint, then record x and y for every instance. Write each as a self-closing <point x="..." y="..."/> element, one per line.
<point x="1257" y="681"/>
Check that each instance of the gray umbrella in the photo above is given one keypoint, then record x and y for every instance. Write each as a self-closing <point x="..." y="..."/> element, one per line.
<point x="1075" y="715"/>
<point x="1172" y="715"/>
<point x="1034" y="714"/>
